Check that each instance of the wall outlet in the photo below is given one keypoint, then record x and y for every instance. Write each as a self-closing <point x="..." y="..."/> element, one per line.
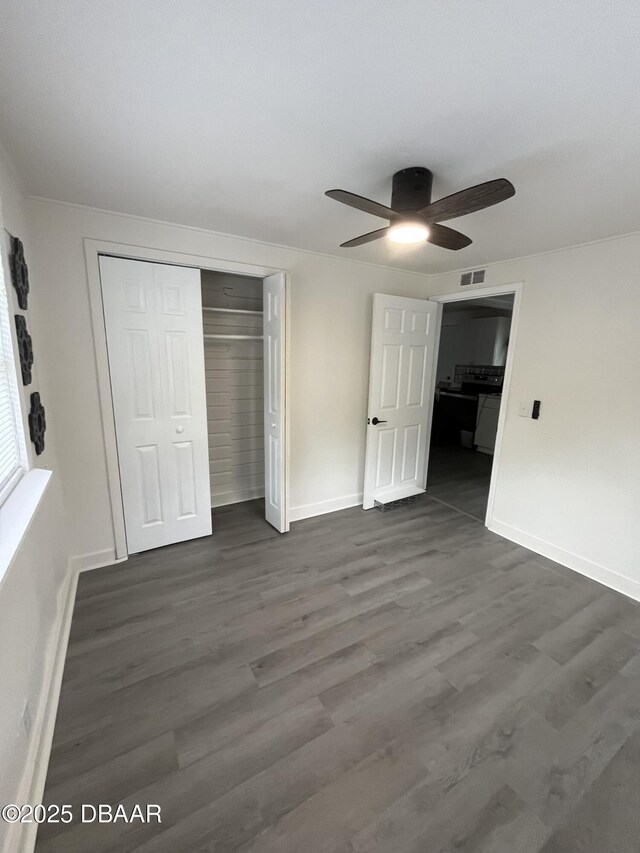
<point x="26" y="719"/>
<point x="525" y="408"/>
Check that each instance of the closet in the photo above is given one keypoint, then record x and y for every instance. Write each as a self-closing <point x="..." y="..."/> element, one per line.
<point x="195" y="406"/>
<point x="232" y="322"/>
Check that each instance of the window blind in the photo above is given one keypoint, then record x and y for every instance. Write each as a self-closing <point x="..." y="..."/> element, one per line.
<point x="10" y="442"/>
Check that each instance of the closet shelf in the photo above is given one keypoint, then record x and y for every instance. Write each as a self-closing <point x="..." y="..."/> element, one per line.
<point x="233" y="337"/>
<point x="233" y="310"/>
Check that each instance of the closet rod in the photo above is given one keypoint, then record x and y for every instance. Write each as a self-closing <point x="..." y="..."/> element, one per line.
<point x="234" y="337"/>
<point x="232" y="310"/>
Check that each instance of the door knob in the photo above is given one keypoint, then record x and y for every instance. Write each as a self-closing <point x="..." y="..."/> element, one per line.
<point x="376" y="421"/>
<point x="180" y="429"/>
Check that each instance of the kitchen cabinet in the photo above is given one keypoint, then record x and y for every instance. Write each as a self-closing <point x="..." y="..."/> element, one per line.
<point x="453" y="412"/>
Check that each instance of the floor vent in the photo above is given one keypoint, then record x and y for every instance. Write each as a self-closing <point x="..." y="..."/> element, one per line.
<point x="394" y="504"/>
<point x="473" y="277"/>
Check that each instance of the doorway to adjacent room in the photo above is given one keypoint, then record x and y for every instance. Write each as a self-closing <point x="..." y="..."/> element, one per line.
<point x="470" y="378"/>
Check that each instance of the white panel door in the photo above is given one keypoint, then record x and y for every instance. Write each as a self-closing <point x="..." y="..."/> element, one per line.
<point x="404" y="353"/>
<point x="153" y="318"/>
<point x="274" y="402"/>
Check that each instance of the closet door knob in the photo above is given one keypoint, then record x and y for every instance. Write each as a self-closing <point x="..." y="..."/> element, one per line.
<point x="180" y="429"/>
<point x="376" y="421"/>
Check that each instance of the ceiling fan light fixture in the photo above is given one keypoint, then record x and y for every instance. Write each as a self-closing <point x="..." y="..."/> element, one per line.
<point x="409" y="231"/>
<point x="414" y="218"/>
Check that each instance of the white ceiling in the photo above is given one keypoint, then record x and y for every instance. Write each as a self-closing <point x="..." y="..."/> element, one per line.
<point x="237" y="115"/>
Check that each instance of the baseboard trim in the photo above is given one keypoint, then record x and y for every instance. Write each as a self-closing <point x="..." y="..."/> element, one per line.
<point x="94" y="560"/>
<point x="32" y="786"/>
<point x="297" y="513"/>
<point x="613" y="580"/>
<point x="218" y="501"/>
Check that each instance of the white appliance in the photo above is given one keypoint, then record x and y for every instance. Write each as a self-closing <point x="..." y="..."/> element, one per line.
<point x="487" y="422"/>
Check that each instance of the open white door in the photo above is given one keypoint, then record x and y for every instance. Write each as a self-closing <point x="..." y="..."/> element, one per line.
<point x="153" y="318"/>
<point x="274" y="402"/>
<point x="404" y="353"/>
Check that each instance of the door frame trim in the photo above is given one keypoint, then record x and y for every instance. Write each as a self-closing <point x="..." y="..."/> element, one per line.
<point x="92" y="251"/>
<point x="482" y="292"/>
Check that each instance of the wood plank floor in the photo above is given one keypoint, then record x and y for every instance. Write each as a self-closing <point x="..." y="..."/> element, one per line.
<point x="392" y="682"/>
<point x="460" y="478"/>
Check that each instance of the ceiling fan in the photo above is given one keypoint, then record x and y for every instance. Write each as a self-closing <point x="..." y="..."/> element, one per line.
<point x="414" y="218"/>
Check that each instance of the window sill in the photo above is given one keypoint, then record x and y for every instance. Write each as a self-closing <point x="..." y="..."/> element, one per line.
<point x="17" y="512"/>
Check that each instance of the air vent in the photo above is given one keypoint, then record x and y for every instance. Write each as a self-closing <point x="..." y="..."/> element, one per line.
<point x="474" y="277"/>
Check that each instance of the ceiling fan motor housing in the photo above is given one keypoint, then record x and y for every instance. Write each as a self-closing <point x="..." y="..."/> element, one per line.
<point x="411" y="189"/>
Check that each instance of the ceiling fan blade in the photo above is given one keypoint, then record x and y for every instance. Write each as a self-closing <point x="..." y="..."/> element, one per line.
<point x="469" y="200"/>
<point x="364" y="204"/>
<point x="365" y="238"/>
<point x="440" y="235"/>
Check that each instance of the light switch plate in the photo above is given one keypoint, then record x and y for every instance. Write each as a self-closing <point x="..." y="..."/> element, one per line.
<point x="525" y="408"/>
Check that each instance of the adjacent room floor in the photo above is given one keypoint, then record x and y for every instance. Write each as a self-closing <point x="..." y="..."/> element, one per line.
<point x="405" y="681"/>
<point x="460" y="478"/>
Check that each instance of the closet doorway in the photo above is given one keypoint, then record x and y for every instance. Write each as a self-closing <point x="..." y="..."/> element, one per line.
<point x="243" y="375"/>
<point x="196" y="373"/>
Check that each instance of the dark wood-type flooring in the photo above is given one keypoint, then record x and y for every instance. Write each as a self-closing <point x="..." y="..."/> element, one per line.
<point x="460" y="478"/>
<point x="393" y="682"/>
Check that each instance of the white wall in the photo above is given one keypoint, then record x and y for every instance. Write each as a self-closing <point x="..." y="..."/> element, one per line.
<point x="569" y="484"/>
<point x="330" y="333"/>
<point x="33" y="590"/>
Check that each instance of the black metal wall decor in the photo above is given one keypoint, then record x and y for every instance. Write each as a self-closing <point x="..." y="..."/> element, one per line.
<point x="19" y="272"/>
<point x="37" y="423"/>
<point x="25" y="348"/>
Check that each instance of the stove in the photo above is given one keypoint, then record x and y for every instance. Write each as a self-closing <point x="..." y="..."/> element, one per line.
<point x="479" y="378"/>
<point x="481" y="383"/>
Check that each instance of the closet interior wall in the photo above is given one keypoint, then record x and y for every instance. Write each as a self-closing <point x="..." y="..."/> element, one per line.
<point x="232" y="314"/>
